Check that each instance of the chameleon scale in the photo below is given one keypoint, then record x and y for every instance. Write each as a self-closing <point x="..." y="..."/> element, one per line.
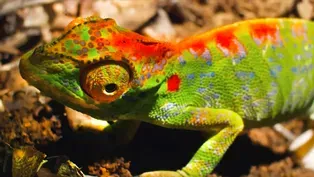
<point x="243" y="75"/>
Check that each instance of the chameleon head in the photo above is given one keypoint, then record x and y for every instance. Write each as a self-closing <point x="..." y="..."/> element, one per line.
<point x="97" y="68"/>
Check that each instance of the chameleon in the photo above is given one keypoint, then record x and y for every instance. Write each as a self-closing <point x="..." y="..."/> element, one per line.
<point x="229" y="79"/>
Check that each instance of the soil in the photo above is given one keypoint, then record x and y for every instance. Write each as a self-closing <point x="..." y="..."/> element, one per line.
<point x="28" y="118"/>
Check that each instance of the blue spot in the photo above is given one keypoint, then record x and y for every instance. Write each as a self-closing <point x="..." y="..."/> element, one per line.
<point x="294" y="69"/>
<point x="165" y="116"/>
<point x="257" y="41"/>
<point x="280" y="55"/>
<point x="239" y="74"/>
<point x="168" y="106"/>
<point x="201" y="90"/>
<point x="245" y="75"/>
<point x="206" y="55"/>
<point x="242" y="52"/>
<point x="255" y="104"/>
<point x="246" y="97"/>
<point x="209" y="63"/>
<point x="236" y="60"/>
<point x="245" y="88"/>
<point x="251" y="75"/>
<point x="148" y="75"/>
<point x="304" y="69"/>
<point x="270" y="59"/>
<point x="272" y="93"/>
<point x="181" y="60"/>
<point x="211" y="85"/>
<point x="191" y="76"/>
<point x="216" y="95"/>
<point x="210" y="74"/>
<point x="273" y="73"/>
<point x="280" y="44"/>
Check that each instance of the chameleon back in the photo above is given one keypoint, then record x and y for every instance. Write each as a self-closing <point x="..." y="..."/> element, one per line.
<point x="260" y="69"/>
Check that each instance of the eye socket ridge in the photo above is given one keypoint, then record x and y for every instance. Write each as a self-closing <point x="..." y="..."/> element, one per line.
<point x="121" y="63"/>
<point x="98" y="83"/>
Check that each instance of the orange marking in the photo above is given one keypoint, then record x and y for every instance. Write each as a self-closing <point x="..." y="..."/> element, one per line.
<point x="264" y="32"/>
<point x="226" y="39"/>
<point x="298" y="29"/>
<point x="139" y="46"/>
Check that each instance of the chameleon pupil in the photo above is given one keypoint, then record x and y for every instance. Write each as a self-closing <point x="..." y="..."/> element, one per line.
<point x="111" y="88"/>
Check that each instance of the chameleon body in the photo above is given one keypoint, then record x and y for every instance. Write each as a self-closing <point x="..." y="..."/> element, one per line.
<point x="247" y="74"/>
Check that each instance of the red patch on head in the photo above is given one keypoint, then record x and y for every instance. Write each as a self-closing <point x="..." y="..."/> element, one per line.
<point x="173" y="83"/>
<point x="139" y="46"/>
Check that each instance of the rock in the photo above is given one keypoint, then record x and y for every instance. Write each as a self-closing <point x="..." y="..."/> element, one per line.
<point x="35" y="17"/>
<point x="305" y="9"/>
<point x="129" y="14"/>
<point x="263" y="8"/>
<point x="161" y="28"/>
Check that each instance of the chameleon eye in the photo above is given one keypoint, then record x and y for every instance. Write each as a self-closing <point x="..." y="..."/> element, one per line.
<point x="105" y="82"/>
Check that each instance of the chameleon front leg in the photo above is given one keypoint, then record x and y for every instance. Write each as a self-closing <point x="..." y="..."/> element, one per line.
<point x="211" y="152"/>
<point x="122" y="130"/>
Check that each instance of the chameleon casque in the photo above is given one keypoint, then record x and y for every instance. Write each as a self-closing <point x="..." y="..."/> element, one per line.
<point x="247" y="74"/>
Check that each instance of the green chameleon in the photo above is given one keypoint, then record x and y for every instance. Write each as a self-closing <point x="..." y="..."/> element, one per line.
<point x="247" y="74"/>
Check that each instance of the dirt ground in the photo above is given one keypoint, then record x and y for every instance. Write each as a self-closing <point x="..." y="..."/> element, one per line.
<point x="30" y="119"/>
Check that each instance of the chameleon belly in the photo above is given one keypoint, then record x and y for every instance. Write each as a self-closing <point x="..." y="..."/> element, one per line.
<point x="260" y="68"/>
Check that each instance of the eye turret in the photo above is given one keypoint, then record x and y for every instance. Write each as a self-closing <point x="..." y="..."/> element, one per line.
<point x="105" y="82"/>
